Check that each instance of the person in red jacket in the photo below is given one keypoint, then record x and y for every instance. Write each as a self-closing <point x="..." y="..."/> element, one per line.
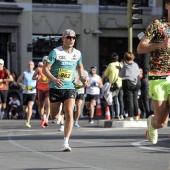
<point x="42" y="94"/>
<point x="5" y="78"/>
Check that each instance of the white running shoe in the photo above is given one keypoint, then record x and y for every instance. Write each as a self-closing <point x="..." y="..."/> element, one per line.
<point x="65" y="148"/>
<point x="61" y="128"/>
<point x="58" y="119"/>
<point x="151" y="134"/>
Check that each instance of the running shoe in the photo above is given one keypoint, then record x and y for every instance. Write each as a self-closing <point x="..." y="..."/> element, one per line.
<point x="91" y="121"/>
<point x="42" y="124"/>
<point x="61" y="128"/>
<point x="28" y="125"/>
<point x="65" y="148"/>
<point x="76" y="124"/>
<point x="58" y="119"/>
<point x="46" y="123"/>
<point x="151" y="134"/>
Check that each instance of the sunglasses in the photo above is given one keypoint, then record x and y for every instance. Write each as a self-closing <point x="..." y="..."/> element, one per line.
<point x="93" y="69"/>
<point x="71" y="37"/>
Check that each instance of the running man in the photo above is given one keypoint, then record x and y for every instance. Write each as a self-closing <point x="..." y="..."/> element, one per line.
<point x="29" y="91"/>
<point x="156" y="41"/>
<point x="60" y="68"/>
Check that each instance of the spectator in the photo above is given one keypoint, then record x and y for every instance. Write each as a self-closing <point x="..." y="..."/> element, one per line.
<point x="93" y="92"/>
<point x="131" y="84"/>
<point x="112" y="73"/>
<point x="141" y="106"/>
<point x="14" y="104"/>
<point x="145" y="99"/>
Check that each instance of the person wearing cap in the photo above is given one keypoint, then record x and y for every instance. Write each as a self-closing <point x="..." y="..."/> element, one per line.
<point x="60" y="68"/>
<point x="93" y="92"/>
<point x="5" y="78"/>
<point x="28" y="90"/>
<point x="42" y="94"/>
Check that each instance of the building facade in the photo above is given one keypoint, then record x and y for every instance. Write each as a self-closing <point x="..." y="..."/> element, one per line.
<point x="30" y="29"/>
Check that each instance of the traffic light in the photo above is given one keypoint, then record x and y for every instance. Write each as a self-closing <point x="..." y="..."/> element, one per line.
<point x="136" y="11"/>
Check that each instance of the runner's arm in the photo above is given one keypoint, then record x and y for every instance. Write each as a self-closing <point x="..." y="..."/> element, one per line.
<point x="145" y="46"/>
<point x="8" y="79"/>
<point x="35" y="75"/>
<point x="20" y="78"/>
<point x="46" y="71"/>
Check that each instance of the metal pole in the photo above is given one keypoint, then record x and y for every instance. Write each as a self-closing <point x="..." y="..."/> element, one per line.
<point x="8" y="56"/>
<point x="130" y="27"/>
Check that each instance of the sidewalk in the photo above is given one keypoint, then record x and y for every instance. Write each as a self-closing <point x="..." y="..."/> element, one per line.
<point x="122" y="123"/>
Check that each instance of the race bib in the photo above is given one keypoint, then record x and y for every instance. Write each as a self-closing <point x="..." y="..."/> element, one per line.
<point x="44" y="79"/>
<point x="29" y="88"/>
<point x="78" y="86"/>
<point x="65" y="74"/>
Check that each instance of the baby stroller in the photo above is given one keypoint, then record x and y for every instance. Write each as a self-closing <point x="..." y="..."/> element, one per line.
<point x="14" y="105"/>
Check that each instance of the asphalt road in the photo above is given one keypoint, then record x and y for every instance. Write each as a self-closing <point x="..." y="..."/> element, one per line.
<point x="93" y="148"/>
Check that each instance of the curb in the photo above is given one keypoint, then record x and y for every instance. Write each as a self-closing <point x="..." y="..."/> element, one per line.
<point x="121" y="123"/>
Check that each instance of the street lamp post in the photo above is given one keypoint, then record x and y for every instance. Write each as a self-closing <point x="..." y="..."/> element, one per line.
<point x="130" y="26"/>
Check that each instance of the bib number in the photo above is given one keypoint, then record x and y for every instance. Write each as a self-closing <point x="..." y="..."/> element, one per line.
<point x="65" y="74"/>
<point x="44" y="79"/>
<point x="29" y="88"/>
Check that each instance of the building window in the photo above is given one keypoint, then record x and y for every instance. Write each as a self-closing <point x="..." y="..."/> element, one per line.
<point x="55" y="1"/>
<point x="120" y="2"/>
<point x="42" y="45"/>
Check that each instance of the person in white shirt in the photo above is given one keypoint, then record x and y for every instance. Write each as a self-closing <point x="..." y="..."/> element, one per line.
<point x="93" y="91"/>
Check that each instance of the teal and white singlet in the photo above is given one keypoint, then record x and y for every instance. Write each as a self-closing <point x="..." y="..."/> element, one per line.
<point x="64" y="66"/>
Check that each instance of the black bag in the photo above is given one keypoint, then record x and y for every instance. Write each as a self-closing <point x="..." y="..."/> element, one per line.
<point x="114" y="87"/>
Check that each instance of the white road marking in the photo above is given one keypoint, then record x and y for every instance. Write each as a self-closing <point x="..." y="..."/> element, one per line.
<point x="139" y="145"/>
<point x="47" y="155"/>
